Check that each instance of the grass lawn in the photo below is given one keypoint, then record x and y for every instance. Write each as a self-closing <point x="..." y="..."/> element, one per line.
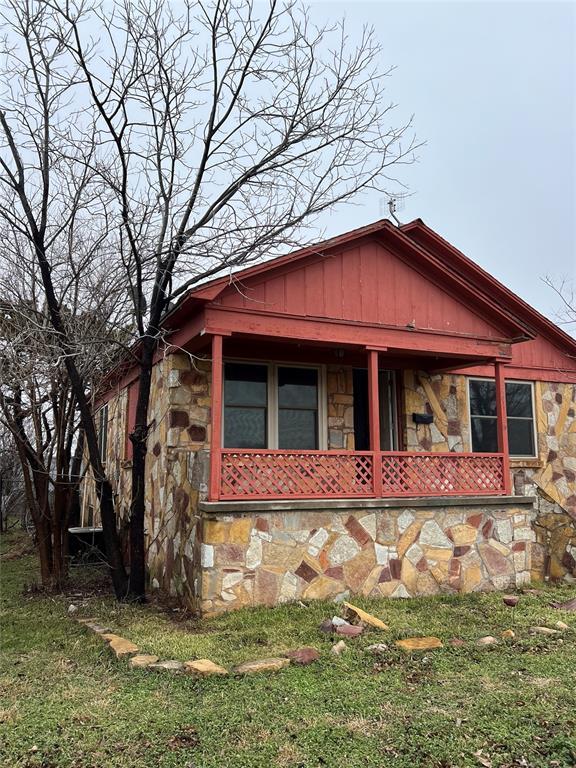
<point x="64" y="700"/>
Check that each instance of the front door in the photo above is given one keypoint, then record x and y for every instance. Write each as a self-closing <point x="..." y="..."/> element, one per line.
<point x="387" y="394"/>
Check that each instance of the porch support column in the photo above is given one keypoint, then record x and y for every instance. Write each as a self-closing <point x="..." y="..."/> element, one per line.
<point x="502" y="424"/>
<point x="374" y="418"/>
<point x="216" y="418"/>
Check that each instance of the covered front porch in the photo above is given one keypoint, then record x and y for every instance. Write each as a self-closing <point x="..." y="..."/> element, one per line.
<point x="380" y="464"/>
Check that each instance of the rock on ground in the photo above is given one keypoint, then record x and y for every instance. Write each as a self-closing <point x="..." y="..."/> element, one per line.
<point x="261" y="665"/>
<point x="203" y="668"/>
<point x="143" y="660"/>
<point x="171" y="665"/>
<point x="488" y="640"/>
<point x="366" y="618"/>
<point x="543" y="631"/>
<point x="348" y="630"/>
<point x="339" y="647"/>
<point x="419" y="643"/>
<point x="120" y="645"/>
<point x="304" y="655"/>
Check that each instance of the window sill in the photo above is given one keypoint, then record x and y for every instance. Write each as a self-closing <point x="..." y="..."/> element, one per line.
<point x="526" y="463"/>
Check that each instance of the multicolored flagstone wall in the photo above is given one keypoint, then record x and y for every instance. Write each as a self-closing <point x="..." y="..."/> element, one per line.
<point x="277" y="556"/>
<point x="215" y="562"/>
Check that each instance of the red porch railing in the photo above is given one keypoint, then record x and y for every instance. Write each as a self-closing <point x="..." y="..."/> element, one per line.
<point x="259" y="474"/>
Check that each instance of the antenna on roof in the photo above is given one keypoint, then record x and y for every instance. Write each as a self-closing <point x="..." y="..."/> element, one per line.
<point x="396" y="203"/>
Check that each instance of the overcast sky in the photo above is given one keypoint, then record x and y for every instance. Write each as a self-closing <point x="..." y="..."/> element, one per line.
<point x="492" y="86"/>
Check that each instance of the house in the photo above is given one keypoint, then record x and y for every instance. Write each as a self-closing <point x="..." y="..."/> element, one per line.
<point x="374" y="415"/>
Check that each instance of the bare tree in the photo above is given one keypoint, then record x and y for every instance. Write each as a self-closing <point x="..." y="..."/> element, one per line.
<point x="566" y="292"/>
<point x="219" y="135"/>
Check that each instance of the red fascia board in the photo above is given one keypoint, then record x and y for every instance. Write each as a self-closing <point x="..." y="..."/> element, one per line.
<point x="318" y="249"/>
<point x="329" y="331"/>
<point x="432" y="241"/>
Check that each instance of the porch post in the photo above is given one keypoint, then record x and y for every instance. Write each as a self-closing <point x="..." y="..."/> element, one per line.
<point x="216" y="418"/>
<point x="502" y="424"/>
<point x="374" y="418"/>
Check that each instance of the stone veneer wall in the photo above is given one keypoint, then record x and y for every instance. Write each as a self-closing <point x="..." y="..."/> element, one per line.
<point x="445" y="397"/>
<point x="117" y="467"/>
<point x="552" y="482"/>
<point x="178" y="464"/>
<point x="177" y="467"/>
<point x="340" y="396"/>
<point x="269" y="557"/>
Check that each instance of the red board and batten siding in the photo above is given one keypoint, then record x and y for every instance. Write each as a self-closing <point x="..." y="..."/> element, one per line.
<point x="366" y="284"/>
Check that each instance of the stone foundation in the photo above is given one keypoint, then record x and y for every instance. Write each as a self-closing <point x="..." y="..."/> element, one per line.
<point x="269" y="553"/>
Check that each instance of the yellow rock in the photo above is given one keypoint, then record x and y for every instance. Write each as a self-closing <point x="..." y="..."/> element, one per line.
<point x="262" y="665"/>
<point x="408" y="538"/>
<point x="203" y="668"/>
<point x="372" y="581"/>
<point x="471" y="577"/>
<point x="409" y="576"/>
<point x="215" y="532"/>
<point x="508" y="634"/>
<point x="120" y="645"/>
<point x="499" y="547"/>
<point x="321" y="588"/>
<point x="366" y="618"/>
<point x="440" y="572"/>
<point x="142" y="660"/>
<point x="419" y="643"/>
<point x="240" y="531"/>
<point x="464" y="535"/>
<point x="441" y="554"/>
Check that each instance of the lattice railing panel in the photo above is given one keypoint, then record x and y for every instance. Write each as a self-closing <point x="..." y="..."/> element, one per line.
<point x="295" y="474"/>
<point x="446" y="474"/>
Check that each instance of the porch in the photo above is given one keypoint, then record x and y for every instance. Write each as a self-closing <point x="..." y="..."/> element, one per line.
<point x="383" y="471"/>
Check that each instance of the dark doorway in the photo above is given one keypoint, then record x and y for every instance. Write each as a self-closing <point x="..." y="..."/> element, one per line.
<point x="387" y="392"/>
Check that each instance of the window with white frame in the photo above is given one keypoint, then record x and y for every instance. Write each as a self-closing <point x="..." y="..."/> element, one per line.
<point x="520" y="412"/>
<point x="270" y="405"/>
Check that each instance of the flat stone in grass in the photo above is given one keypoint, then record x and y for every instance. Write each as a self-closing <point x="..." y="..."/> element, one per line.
<point x="358" y="614"/>
<point x="203" y="668"/>
<point x="419" y="643"/>
<point x="261" y="665"/>
<point x="543" y="631"/>
<point x="349" y="630"/>
<point x="339" y="647"/>
<point x="142" y="660"/>
<point x="171" y="665"/>
<point x="488" y="640"/>
<point x="94" y="626"/>
<point x="120" y="645"/>
<point x="508" y="634"/>
<point x="303" y="656"/>
<point x="561" y="625"/>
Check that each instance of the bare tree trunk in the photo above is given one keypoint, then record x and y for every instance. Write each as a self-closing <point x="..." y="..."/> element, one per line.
<point x="138" y="497"/>
<point x="103" y="487"/>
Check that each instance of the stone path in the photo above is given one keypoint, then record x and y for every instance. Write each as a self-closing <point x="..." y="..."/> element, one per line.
<point x="351" y="627"/>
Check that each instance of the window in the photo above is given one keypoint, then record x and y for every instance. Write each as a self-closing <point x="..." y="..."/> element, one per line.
<point x="245" y="405"/>
<point x="298" y="408"/>
<point x="102" y="422"/>
<point x="271" y="406"/>
<point x="520" y="412"/>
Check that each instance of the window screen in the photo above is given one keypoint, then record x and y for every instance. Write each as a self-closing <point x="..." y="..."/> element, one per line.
<point x="245" y="405"/>
<point x="519" y="411"/>
<point x="297" y="408"/>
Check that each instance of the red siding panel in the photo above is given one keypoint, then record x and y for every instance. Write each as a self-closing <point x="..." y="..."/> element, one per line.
<point x="366" y="283"/>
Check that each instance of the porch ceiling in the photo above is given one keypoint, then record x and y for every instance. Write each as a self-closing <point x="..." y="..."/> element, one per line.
<point x="265" y="348"/>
